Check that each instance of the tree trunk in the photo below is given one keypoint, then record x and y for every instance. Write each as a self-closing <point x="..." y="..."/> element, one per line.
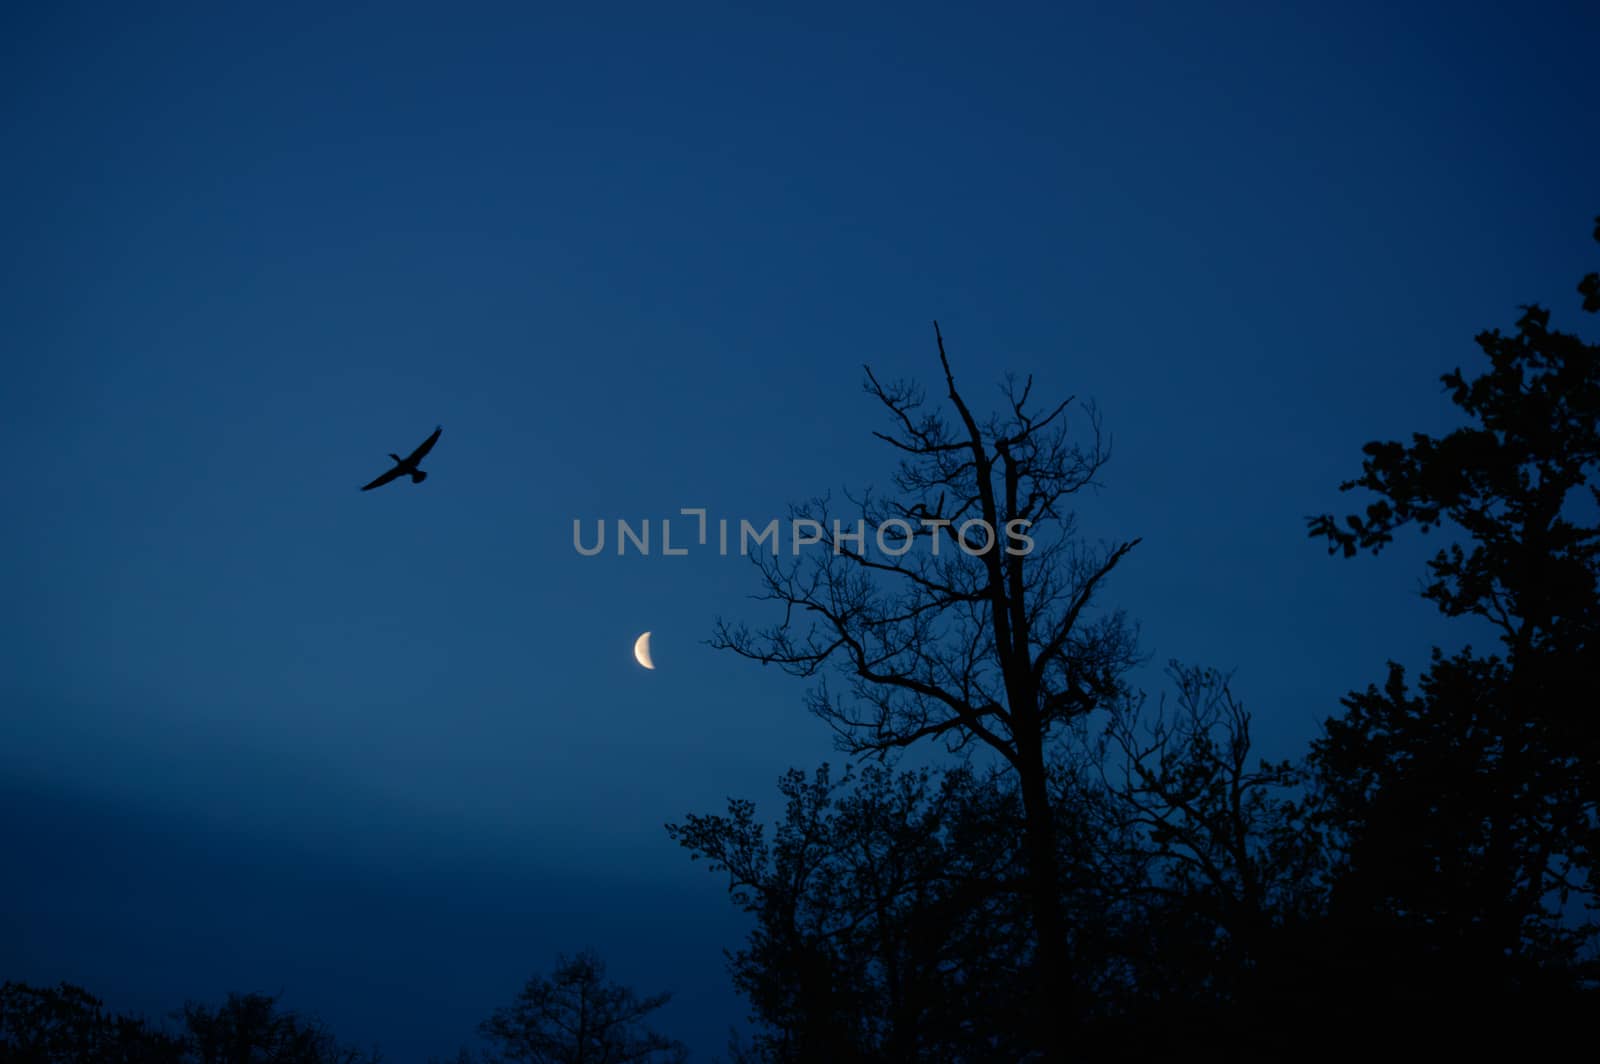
<point x="1053" y="1007"/>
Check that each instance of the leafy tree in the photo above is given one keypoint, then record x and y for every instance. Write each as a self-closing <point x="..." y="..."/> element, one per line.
<point x="891" y="915"/>
<point x="68" y="1025"/>
<point x="1468" y="809"/>
<point x="252" y="1029"/>
<point x="968" y="636"/>
<point x="577" y="1016"/>
<point x="891" y="908"/>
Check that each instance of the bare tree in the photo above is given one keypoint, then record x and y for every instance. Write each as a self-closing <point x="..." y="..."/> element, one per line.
<point x="1202" y="825"/>
<point x="979" y="639"/>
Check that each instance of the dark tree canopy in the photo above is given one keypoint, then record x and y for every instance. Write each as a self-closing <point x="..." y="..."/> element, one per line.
<point x="890" y="915"/>
<point x="1468" y="809"/>
<point x="893" y="913"/>
<point x="68" y="1025"/>
<point x="1123" y="867"/>
<point x="1514" y="482"/>
<point x="578" y="1016"/>
<point x="251" y="1028"/>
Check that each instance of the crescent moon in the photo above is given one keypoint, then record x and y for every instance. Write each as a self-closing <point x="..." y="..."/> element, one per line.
<point x="641" y="651"/>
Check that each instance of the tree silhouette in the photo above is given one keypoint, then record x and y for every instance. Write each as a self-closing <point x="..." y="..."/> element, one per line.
<point x="1468" y="810"/>
<point x="250" y="1028"/>
<point x="1207" y="856"/>
<point x="577" y="1016"/>
<point x="68" y="1025"/>
<point x="890" y="915"/>
<point x="984" y="641"/>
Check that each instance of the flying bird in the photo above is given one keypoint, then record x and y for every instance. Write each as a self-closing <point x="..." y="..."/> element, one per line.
<point x="408" y="464"/>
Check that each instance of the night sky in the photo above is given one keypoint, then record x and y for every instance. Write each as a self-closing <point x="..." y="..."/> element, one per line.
<point x="388" y="753"/>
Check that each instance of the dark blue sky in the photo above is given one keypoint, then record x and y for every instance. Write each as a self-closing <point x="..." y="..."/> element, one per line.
<point x="389" y="752"/>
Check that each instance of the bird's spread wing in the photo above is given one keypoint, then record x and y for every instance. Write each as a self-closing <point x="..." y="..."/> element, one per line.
<point x="427" y="445"/>
<point x="381" y="481"/>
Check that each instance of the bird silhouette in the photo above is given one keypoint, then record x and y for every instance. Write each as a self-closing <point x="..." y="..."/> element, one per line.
<point x="408" y="464"/>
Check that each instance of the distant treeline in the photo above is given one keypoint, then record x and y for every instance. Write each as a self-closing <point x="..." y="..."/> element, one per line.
<point x="46" y="1025"/>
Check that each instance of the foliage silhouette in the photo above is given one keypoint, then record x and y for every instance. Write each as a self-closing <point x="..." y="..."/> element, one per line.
<point x="892" y="908"/>
<point x="68" y="1025"/>
<point x="578" y="1016"/>
<point x="890" y="915"/>
<point x="1467" y="811"/>
<point x="247" y="1028"/>
<point x="1418" y="873"/>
